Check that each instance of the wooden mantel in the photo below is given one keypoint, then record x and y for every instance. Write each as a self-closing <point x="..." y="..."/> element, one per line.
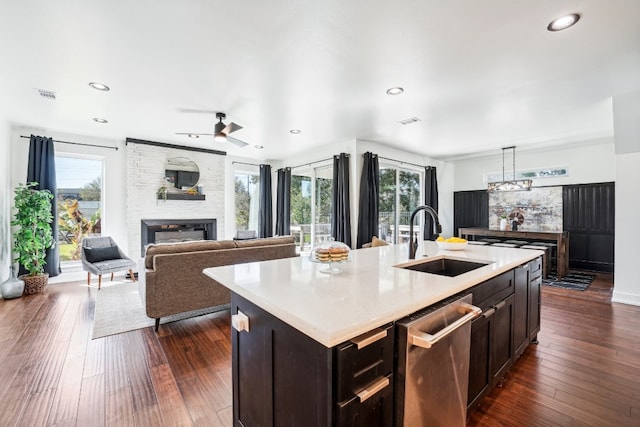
<point x="561" y="238"/>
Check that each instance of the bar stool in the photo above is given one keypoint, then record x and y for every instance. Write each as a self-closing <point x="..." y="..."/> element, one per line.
<point x="553" y="253"/>
<point x="545" y="256"/>
<point x="517" y="242"/>
<point x="505" y="245"/>
<point x="490" y="241"/>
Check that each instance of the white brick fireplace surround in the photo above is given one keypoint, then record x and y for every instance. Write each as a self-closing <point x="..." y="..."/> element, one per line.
<point x="145" y="174"/>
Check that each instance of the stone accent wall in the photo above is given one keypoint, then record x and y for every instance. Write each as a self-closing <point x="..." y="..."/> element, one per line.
<point x="145" y="174"/>
<point x="541" y="207"/>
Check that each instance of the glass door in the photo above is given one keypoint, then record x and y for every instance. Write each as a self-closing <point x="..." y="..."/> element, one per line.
<point x="400" y="194"/>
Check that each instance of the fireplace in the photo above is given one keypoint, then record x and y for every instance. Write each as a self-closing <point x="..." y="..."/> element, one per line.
<point x="176" y="230"/>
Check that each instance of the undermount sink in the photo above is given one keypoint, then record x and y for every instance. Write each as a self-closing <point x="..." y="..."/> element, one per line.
<point x="444" y="266"/>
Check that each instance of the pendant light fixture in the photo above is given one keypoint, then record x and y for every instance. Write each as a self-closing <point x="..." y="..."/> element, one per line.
<point x="513" y="185"/>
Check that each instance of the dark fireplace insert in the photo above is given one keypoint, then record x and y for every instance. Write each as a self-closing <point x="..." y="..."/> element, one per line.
<point x="176" y="230"/>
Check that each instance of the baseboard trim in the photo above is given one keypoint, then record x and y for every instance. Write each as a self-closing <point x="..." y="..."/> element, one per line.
<point x="625" y="298"/>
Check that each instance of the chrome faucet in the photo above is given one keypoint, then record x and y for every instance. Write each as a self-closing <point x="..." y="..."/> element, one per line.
<point x="437" y="228"/>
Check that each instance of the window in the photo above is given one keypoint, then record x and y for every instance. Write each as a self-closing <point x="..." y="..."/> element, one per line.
<point x="311" y="202"/>
<point x="247" y="188"/>
<point x="79" y="182"/>
<point x="399" y="195"/>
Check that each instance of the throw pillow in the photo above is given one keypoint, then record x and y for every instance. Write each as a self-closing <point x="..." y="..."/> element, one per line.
<point x="375" y="242"/>
<point x="101" y="254"/>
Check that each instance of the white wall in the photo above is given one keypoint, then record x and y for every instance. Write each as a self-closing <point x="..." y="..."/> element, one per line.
<point x="626" y="110"/>
<point x="145" y="174"/>
<point x="6" y="195"/>
<point x="587" y="162"/>
<point x="627" y="280"/>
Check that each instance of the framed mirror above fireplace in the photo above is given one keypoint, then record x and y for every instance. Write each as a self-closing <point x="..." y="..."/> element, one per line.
<point x="182" y="176"/>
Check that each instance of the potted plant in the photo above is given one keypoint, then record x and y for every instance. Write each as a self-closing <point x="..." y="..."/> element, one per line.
<point x="33" y="236"/>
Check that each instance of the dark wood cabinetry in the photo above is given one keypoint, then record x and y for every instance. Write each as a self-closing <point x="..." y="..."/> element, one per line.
<point x="521" y="304"/>
<point x="281" y="377"/>
<point x="491" y="335"/>
<point x="528" y="279"/>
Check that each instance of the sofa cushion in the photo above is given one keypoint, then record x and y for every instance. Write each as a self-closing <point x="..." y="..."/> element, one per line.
<point x="94" y="255"/>
<point x="194" y="246"/>
<point x="283" y="240"/>
<point x="375" y="242"/>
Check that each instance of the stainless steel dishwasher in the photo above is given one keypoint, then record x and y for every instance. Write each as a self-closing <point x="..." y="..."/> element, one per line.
<point x="432" y="367"/>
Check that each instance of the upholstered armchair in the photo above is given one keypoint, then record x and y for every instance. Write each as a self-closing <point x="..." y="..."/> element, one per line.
<point x="101" y="255"/>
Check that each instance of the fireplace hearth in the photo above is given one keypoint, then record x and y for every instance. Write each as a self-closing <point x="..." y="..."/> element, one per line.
<point x="176" y="230"/>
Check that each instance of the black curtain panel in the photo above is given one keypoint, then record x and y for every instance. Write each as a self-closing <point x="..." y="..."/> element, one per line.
<point x="265" y="216"/>
<point x="431" y="199"/>
<point x="341" y="212"/>
<point x="42" y="169"/>
<point x="369" y="203"/>
<point x="283" y="202"/>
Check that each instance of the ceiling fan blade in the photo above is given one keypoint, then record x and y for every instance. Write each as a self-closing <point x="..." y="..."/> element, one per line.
<point x="236" y="142"/>
<point x="195" y="110"/>
<point x="231" y="127"/>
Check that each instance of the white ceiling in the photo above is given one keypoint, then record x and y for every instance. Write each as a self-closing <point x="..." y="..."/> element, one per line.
<point x="479" y="74"/>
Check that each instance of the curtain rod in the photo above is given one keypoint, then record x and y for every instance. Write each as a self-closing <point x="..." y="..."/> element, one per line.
<point x="77" y="143"/>
<point x="403" y="162"/>
<point x="243" y="163"/>
<point x="312" y="163"/>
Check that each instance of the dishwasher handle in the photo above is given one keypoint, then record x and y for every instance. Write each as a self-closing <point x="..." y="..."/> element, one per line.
<point x="426" y="340"/>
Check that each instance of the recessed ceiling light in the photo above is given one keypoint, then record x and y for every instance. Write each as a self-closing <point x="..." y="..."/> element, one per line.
<point x="295" y="131"/>
<point x="193" y="135"/>
<point x="259" y="147"/>
<point x="563" y="22"/>
<point x="409" y="121"/>
<point x="99" y="120"/>
<point x="395" y="91"/>
<point x="99" y="86"/>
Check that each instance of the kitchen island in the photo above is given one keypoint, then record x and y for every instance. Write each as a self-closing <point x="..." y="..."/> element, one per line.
<point x="302" y="325"/>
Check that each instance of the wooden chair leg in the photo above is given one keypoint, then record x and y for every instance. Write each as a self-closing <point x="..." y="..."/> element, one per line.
<point x="112" y="277"/>
<point x="88" y="278"/>
<point x="157" y="324"/>
<point x="133" y="277"/>
<point x="99" y="281"/>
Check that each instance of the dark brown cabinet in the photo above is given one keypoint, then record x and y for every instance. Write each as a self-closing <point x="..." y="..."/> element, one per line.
<point x="521" y="304"/>
<point x="491" y="335"/>
<point x="281" y="377"/>
<point x="528" y="279"/>
<point x="509" y="322"/>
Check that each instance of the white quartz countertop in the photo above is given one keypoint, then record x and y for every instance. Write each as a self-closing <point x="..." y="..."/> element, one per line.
<point x="370" y="292"/>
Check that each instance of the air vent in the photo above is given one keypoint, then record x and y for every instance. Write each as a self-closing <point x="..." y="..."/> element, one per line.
<point x="48" y="94"/>
<point x="409" y="121"/>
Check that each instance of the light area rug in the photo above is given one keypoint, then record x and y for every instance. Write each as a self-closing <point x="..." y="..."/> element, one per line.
<point x="119" y="309"/>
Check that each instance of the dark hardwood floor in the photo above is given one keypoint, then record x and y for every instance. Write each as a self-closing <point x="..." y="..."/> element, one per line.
<point x="585" y="371"/>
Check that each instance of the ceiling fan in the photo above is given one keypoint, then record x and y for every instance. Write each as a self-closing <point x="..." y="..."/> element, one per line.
<point x="221" y="132"/>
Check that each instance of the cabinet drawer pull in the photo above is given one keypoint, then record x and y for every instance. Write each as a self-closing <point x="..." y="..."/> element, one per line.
<point x="372" y="388"/>
<point x="500" y="304"/>
<point x="369" y="338"/>
<point x="488" y="313"/>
